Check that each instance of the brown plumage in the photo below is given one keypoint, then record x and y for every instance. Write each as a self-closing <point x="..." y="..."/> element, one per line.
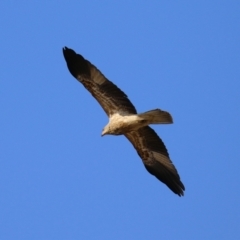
<point x="124" y="120"/>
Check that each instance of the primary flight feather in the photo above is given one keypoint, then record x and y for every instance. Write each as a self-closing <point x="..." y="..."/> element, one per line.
<point x="124" y="120"/>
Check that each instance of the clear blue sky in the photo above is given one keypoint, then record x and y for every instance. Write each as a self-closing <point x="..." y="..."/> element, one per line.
<point x="59" y="179"/>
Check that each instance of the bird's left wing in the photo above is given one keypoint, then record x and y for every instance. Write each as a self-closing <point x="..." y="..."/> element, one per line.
<point x="110" y="97"/>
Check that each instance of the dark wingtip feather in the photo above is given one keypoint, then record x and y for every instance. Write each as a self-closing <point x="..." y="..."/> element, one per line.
<point x="171" y="179"/>
<point x="77" y="65"/>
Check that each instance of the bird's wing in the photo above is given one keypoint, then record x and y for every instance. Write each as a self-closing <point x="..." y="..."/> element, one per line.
<point x="155" y="157"/>
<point x="109" y="96"/>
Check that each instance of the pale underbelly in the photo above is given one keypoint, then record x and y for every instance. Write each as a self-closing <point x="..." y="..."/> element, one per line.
<point x="125" y="127"/>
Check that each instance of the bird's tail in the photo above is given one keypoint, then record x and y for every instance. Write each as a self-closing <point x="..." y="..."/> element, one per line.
<point x="156" y="116"/>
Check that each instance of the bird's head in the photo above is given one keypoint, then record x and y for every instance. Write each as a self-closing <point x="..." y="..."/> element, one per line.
<point x="111" y="131"/>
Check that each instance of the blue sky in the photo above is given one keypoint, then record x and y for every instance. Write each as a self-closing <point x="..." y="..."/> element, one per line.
<point x="59" y="179"/>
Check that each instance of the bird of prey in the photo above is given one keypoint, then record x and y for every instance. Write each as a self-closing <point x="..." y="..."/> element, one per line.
<point x="124" y="120"/>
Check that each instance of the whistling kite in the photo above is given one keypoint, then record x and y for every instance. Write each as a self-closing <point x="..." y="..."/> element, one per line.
<point x="124" y="120"/>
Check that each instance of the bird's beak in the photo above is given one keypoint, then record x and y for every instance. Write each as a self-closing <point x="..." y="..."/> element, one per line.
<point x="104" y="132"/>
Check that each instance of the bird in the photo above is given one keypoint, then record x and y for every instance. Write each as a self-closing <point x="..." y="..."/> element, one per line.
<point x="124" y="120"/>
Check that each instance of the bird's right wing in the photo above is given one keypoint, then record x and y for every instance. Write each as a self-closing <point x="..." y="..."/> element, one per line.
<point x="155" y="157"/>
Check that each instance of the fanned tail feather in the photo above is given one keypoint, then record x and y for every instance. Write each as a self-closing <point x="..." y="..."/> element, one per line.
<point x="156" y="116"/>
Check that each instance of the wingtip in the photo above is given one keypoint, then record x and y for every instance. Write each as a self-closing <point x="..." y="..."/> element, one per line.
<point x="76" y="63"/>
<point x="181" y="193"/>
<point x="181" y="189"/>
<point x="66" y="48"/>
<point x="68" y="53"/>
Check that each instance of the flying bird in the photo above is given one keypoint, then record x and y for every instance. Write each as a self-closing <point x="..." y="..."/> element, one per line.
<point x="124" y="120"/>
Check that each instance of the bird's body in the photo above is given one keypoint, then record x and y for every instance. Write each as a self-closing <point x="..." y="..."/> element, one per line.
<point x="121" y="123"/>
<point x="124" y="120"/>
